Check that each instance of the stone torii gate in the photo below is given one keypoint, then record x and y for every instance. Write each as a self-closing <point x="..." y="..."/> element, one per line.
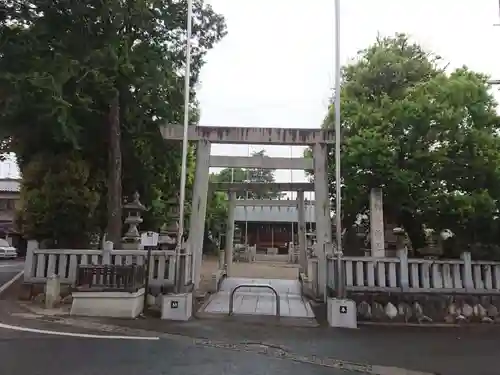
<point x="204" y="136"/>
<point x="262" y="187"/>
<point x="301" y="214"/>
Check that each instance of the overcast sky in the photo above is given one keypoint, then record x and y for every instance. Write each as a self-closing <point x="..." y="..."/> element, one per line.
<point x="276" y="65"/>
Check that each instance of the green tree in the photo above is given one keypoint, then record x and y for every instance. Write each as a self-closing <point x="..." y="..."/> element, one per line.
<point x="48" y="210"/>
<point x="427" y="137"/>
<point x="65" y="66"/>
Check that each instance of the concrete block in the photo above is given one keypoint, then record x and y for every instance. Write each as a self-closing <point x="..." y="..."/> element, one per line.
<point x="177" y="306"/>
<point x="215" y="280"/>
<point x="108" y="304"/>
<point x="342" y="313"/>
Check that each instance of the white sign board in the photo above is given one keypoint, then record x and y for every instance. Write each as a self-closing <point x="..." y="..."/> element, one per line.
<point x="149" y="239"/>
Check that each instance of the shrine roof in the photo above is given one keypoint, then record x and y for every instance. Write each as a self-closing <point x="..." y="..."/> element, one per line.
<point x="272" y="214"/>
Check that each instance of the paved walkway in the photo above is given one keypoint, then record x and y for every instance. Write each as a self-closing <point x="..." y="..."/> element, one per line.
<point x="260" y="301"/>
<point x="258" y="270"/>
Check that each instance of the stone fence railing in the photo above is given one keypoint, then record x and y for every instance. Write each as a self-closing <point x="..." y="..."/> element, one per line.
<point x="403" y="274"/>
<point x="43" y="263"/>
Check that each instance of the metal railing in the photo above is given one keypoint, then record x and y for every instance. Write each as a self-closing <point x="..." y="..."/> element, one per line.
<point x="264" y="286"/>
<point x="128" y="278"/>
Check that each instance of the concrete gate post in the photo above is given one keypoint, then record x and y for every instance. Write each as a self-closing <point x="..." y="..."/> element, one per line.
<point x="230" y="233"/>
<point x="199" y="208"/>
<point x="322" y="212"/>
<point x="302" y="232"/>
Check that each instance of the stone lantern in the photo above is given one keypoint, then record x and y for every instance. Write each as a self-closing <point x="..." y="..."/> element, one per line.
<point x="401" y="239"/>
<point x="432" y="248"/>
<point x="134" y="210"/>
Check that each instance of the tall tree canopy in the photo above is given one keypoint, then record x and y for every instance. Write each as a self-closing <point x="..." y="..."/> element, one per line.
<point x="61" y="64"/>
<point x="427" y="136"/>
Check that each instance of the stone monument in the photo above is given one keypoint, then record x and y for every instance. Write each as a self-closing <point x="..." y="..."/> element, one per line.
<point x="377" y="240"/>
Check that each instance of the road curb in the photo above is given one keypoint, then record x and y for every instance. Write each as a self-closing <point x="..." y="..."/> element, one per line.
<point x="430" y="325"/>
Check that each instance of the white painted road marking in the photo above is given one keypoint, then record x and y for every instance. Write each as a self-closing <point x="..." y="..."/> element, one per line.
<point x="10" y="265"/>
<point x="11" y="281"/>
<point x="69" y="334"/>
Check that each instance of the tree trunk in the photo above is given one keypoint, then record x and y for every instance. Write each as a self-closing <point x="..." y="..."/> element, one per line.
<point x="114" y="224"/>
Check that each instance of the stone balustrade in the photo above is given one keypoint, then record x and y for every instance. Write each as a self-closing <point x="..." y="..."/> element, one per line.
<point x="413" y="275"/>
<point x="40" y="264"/>
<point x="420" y="290"/>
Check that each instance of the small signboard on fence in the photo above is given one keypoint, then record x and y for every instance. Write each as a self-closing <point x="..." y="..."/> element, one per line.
<point x="149" y="239"/>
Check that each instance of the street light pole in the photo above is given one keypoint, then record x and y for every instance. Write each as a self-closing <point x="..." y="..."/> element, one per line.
<point x="495" y="82"/>
<point x="182" y="195"/>
<point x="338" y="189"/>
<point x="498" y="24"/>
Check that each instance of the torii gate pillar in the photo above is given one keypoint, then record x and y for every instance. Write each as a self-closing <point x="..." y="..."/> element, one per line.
<point x="205" y="136"/>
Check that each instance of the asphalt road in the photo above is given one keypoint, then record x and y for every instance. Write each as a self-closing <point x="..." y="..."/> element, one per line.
<point x="443" y="351"/>
<point x="36" y="354"/>
<point x="9" y="269"/>
<point x="468" y="350"/>
<point x="30" y="353"/>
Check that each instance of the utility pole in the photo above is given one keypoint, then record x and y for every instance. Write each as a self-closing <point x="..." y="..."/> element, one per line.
<point x="180" y="246"/>
<point x="338" y="188"/>
<point x="494" y="82"/>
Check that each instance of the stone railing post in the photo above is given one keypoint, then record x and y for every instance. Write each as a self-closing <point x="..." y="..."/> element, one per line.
<point x="106" y="252"/>
<point x="230" y="233"/>
<point x="290" y="252"/>
<point x="467" y="276"/>
<point x="187" y="264"/>
<point x="314" y="272"/>
<point x="336" y="275"/>
<point x="403" y="267"/>
<point x="30" y="256"/>
<point x="222" y="259"/>
<point x="52" y="291"/>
